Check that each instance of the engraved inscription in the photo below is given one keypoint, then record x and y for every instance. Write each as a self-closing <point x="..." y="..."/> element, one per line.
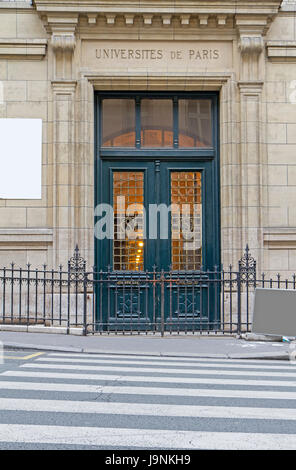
<point x="138" y="54"/>
<point x="157" y="54"/>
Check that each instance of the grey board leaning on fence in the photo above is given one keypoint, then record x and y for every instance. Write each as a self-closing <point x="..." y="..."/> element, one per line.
<point x="274" y="312"/>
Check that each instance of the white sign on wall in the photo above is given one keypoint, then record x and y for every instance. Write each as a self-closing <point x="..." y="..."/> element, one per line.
<point x="20" y="158"/>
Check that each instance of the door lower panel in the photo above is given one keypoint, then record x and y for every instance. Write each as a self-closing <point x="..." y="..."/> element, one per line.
<point x="156" y="301"/>
<point x="159" y="278"/>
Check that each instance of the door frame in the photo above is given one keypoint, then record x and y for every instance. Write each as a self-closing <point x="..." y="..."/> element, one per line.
<point x="180" y="155"/>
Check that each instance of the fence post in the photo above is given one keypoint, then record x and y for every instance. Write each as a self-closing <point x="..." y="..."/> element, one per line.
<point x="247" y="276"/>
<point x="68" y="301"/>
<point x="239" y="305"/>
<point x="85" y="282"/>
<point x="77" y="274"/>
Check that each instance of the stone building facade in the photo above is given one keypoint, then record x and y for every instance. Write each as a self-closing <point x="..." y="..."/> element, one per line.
<point x="55" y="55"/>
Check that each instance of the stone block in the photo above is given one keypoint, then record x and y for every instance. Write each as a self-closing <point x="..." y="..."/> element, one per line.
<point x="27" y="70"/>
<point x="257" y="337"/>
<point x="281" y="154"/>
<point x="8" y="24"/>
<point x="277" y="133"/>
<point x="278" y="260"/>
<point x="47" y="329"/>
<point x="76" y="331"/>
<point x="3" y="69"/>
<point x="291" y="132"/>
<point x="283" y="28"/>
<point x="277" y="175"/>
<point x="15" y="91"/>
<point x="12" y="217"/>
<point x="275" y="91"/>
<point x="292" y="260"/>
<point x="33" y="110"/>
<point x="29" y="25"/>
<point x="37" y="90"/>
<point x="36" y="217"/>
<point x="281" y="73"/>
<point x="281" y="112"/>
<point x="12" y="327"/>
<point x="17" y="256"/>
<point x="292" y="175"/>
<point x="276" y="216"/>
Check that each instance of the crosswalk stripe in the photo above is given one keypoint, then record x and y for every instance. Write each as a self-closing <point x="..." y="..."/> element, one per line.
<point x="144" y="438"/>
<point x="135" y="378"/>
<point x="90" y="360"/>
<point x="181" y="392"/>
<point x="143" y="409"/>
<point x="197" y="371"/>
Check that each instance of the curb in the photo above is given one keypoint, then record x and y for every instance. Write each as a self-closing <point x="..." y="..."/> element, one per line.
<point x="7" y="345"/>
<point x="267" y="356"/>
<point x="69" y="349"/>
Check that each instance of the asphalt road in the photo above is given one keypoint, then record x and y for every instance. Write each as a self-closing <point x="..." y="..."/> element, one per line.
<point x="81" y="401"/>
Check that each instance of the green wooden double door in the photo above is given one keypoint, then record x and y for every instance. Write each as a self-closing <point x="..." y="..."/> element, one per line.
<point x="164" y="223"/>
<point x="157" y="233"/>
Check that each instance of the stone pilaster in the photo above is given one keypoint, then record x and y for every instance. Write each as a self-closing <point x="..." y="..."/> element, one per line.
<point x="252" y="129"/>
<point x="64" y="169"/>
<point x="229" y="171"/>
<point x="86" y="171"/>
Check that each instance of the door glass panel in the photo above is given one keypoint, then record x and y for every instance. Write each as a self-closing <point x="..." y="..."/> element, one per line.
<point x="128" y="202"/>
<point x="157" y="123"/>
<point x="195" y="123"/>
<point x="118" y="123"/>
<point x="186" y="220"/>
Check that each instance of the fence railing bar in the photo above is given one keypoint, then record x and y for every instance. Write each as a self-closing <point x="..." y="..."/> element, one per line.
<point x="158" y="301"/>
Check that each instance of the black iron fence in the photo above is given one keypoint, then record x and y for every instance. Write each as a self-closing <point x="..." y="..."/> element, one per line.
<point x="77" y="300"/>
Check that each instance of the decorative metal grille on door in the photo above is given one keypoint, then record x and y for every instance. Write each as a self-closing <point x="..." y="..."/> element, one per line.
<point x="128" y="245"/>
<point x="186" y="230"/>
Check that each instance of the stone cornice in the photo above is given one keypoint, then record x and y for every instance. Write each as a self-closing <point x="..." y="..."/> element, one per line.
<point x="251" y="87"/>
<point x="281" y="51"/>
<point x="202" y="12"/>
<point x="58" y="24"/>
<point x="250" y="19"/>
<point x="23" y="49"/>
<point x="64" y="87"/>
<point x="280" y="238"/>
<point x="181" y="82"/>
<point x="20" y="239"/>
<point x="160" y="6"/>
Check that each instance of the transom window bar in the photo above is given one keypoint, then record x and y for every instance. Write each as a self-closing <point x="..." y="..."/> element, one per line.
<point x="158" y="122"/>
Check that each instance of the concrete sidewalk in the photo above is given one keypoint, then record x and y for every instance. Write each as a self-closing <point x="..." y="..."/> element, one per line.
<point x="174" y="345"/>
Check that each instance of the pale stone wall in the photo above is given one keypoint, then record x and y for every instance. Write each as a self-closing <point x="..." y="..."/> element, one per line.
<point x="48" y="70"/>
<point x="280" y="84"/>
<point x="25" y="225"/>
